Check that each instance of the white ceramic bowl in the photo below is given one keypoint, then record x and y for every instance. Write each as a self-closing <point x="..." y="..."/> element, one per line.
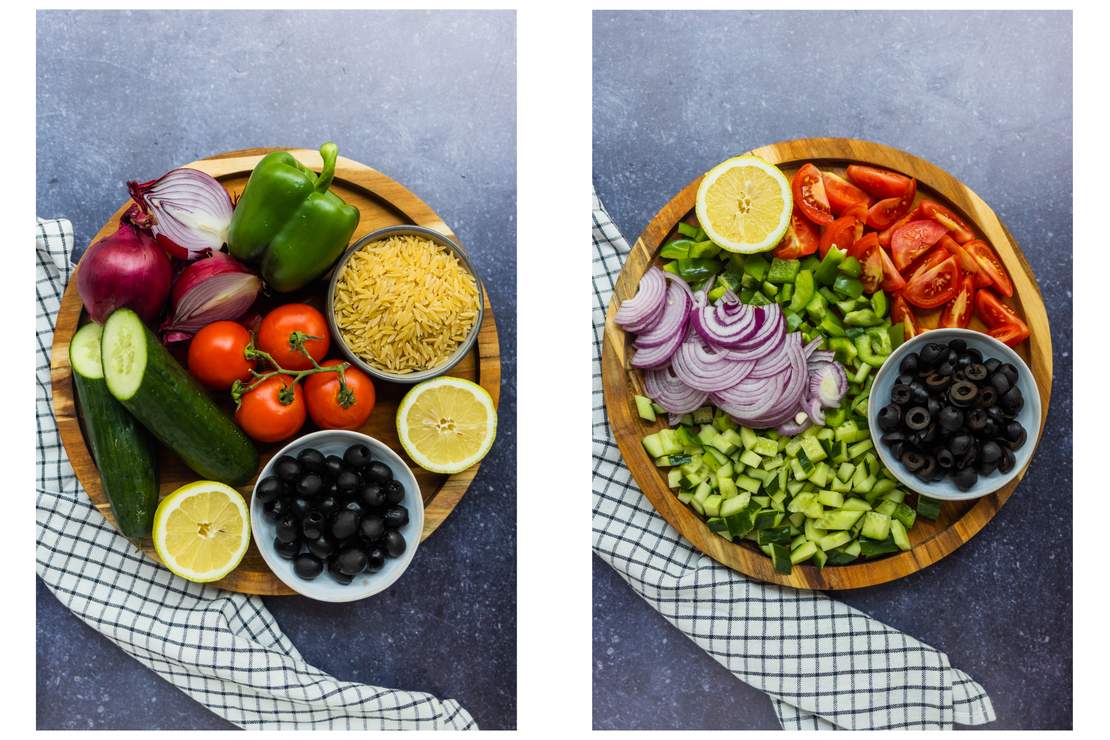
<point x="324" y="587"/>
<point x="1030" y="415"/>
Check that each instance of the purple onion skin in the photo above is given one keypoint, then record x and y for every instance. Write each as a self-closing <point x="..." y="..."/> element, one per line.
<point x="125" y="270"/>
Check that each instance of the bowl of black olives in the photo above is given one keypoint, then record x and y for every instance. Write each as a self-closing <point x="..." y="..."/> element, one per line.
<point x="337" y="515"/>
<point x="955" y="414"/>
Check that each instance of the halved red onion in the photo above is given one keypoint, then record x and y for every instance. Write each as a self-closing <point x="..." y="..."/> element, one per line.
<point x="707" y="368"/>
<point x="644" y="310"/>
<point x="664" y="387"/>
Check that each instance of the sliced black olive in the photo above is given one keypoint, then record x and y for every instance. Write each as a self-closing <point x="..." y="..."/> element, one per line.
<point x="976" y="420"/>
<point x="993" y="364"/>
<point x="287" y="468"/>
<point x="945" y="459"/>
<point x="909" y="364"/>
<point x="1008" y="461"/>
<point x="946" y="368"/>
<point x="311" y="460"/>
<point x="919" y="394"/>
<point x="965" y="478"/>
<point x="927" y="470"/>
<point x="310" y="485"/>
<point x="333" y="466"/>
<point x="962" y="393"/>
<point x="928" y="435"/>
<point x="990" y="429"/>
<point x="378" y="472"/>
<point x="357" y="456"/>
<point x="269" y="488"/>
<point x="987" y="397"/>
<point x="1012" y="400"/>
<point x="932" y="355"/>
<point x="959" y="445"/>
<point x="998" y="415"/>
<point x="394" y="543"/>
<point x="372" y="528"/>
<point x="312" y="526"/>
<point x="1000" y="382"/>
<point x="287" y="528"/>
<point x="900" y="394"/>
<point x="950" y="418"/>
<point x="897" y="448"/>
<point x="893" y="437"/>
<point x="287" y="549"/>
<point x="351" y="560"/>
<point x="904" y="379"/>
<point x="985" y="468"/>
<point x="322" y="547"/>
<point x="890" y="418"/>
<point x="958" y="345"/>
<point x="1010" y="372"/>
<point x="912" y="460"/>
<point x="976" y="372"/>
<point x="990" y="452"/>
<point x="936" y="382"/>
<point x="307" y="566"/>
<point x="917" y="418"/>
<point x="1019" y="442"/>
<point x="394" y="492"/>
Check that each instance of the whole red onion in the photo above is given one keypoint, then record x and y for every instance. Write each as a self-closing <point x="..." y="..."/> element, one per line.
<point x="125" y="270"/>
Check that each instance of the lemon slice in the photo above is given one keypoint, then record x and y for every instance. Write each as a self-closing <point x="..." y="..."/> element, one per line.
<point x="446" y="424"/>
<point x="201" y="530"/>
<point x="744" y="205"/>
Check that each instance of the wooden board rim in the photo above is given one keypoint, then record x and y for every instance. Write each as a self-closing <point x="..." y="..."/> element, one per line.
<point x="616" y="377"/>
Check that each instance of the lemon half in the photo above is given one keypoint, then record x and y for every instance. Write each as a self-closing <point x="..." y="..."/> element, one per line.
<point x="744" y="205"/>
<point x="202" y="530"/>
<point x="447" y="424"/>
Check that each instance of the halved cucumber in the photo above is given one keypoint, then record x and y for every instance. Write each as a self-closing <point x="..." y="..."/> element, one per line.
<point x="153" y="386"/>
<point x="120" y="446"/>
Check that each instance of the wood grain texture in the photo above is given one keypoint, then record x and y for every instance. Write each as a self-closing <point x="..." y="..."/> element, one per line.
<point x="382" y="202"/>
<point x="930" y="541"/>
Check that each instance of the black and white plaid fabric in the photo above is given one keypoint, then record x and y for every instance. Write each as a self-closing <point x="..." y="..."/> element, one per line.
<point x="223" y="649"/>
<point x="824" y="664"/>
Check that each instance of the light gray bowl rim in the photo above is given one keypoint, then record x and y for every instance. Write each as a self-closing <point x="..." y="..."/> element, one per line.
<point x="945" y="490"/>
<point x="351" y="592"/>
<point x="463" y="349"/>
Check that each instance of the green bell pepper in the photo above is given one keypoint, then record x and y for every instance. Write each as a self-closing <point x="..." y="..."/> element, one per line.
<point x="288" y="222"/>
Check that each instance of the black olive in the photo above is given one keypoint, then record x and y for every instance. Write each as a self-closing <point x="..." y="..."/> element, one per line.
<point x="372" y="528"/>
<point x="992" y="364"/>
<point x="287" y="468"/>
<point x="917" y="418"/>
<point x="946" y="369"/>
<point x="1008" y="461"/>
<point x="344" y="524"/>
<point x="371" y="496"/>
<point x="287" y="549"/>
<point x="890" y="418"/>
<point x="950" y="418"/>
<point x="928" y="435"/>
<point x="269" y="488"/>
<point x="945" y="459"/>
<point x="357" y="456"/>
<point x="965" y="479"/>
<point x="904" y="379"/>
<point x="959" y="445"/>
<point x="985" y="468"/>
<point x="322" y="547"/>
<point x="396" y="517"/>
<point x="927" y="470"/>
<point x="275" y="510"/>
<point x="912" y="460"/>
<point x="893" y="438"/>
<point x="909" y="364"/>
<point x="354" y="506"/>
<point x="920" y="395"/>
<point x="1019" y="442"/>
<point x="959" y="375"/>
<point x="962" y="393"/>
<point x="900" y="394"/>
<point x="934" y="407"/>
<point x="310" y="485"/>
<point x="968" y="458"/>
<point x="347" y="482"/>
<point x="1010" y="372"/>
<point x="299" y="506"/>
<point x="1014" y="431"/>
<point x="932" y="355"/>
<point x="987" y="397"/>
<point x="394" y="543"/>
<point x="378" y="472"/>
<point x="394" y="492"/>
<point x="998" y="415"/>
<point x="976" y="420"/>
<point x="897" y="448"/>
<point x="963" y="362"/>
<point x="307" y="566"/>
<point x="351" y="560"/>
<point x="333" y="466"/>
<point x="312" y="526"/>
<point x="311" y="460"/>
<point x="288" y="528"/>
<point x="958" y="346"/>
<point x="1012" y="400"/>
<point x="990" y="429"/>
<point x="327" y="505"/>
<point x="335" y="572"/>
<point x="990" y="452"/>
<point x="1000" y="382"/>
<point x="976" y="372"/>
<point x="375" y="559"/>
<point x="975" y="355"/>
<point x="934" y="381"/>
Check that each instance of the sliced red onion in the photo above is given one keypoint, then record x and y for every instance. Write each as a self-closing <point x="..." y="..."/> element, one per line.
<point x="771" y="341"/>
<point x="827" y="383"/>
<point x="644" y="310"/>
<point x="776" y="362"/>
<point x="664" y="387"/>
<point x="190" y="210"/>
<point x="676" y="314"/>
<point x="706" y="368"/>
<point x="813" y="346"/>
<point x="813" y="409"/>
<point x="727" y="323"/>
<point x="822" y="356"/>
<point x="795" y="427"/>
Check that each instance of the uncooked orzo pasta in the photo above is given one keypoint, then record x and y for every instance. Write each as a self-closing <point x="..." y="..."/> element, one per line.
<point x="405" y="303"/>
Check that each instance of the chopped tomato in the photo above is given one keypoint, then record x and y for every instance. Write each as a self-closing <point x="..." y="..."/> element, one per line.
<point x="843" y="194"/>
<point x="887" y="211"/>
<point x="991" y="265"/>
<point x="957" y="312"/>
<point x="1005" y="325"/>
<point x="1011" y="334"/>
<point x="888" y="233"/>
<point x="863" y="245"/>
<point x="959" y="230"/>
<point x="810" y="196"/>
<point x="892" y="279"/>
<point x="935" y="286"/>
<point x="879" y="183"/>
<point x="967" y="262"/>
<point x="801" y="238"/>
<point x="982" y="279"/>
<point x="900" y="311"/>
<point x="913" y="240"/>
<point x="872" y="274"/>
<point x="842" y="232"/>
<point x="858" y="211"/>
<point x="929" y="261"/>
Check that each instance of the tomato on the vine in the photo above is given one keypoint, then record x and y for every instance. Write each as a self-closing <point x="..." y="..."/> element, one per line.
<point x="286" y="326"/>
<point x="217" y="355"/>
<point x="273" y="410"/>
<point x="332" y="408"/>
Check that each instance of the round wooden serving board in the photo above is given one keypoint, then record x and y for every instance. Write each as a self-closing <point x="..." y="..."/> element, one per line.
<point x="931" y="541"/>
<point x="382" y="202"/>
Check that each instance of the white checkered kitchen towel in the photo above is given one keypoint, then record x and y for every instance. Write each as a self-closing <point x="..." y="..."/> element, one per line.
<point x="223" y="649"/>
<point x="824" y="664"/>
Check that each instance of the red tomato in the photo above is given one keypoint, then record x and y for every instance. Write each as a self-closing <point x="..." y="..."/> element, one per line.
<point x="326" y="406"/>
<point x="872" y="274"/>
<point x="992" y="311"/>
<point x="991" y="265"/>
<point x="1011" y="334"/>
<point x="892" y="279"/>
<point x="900" y="312"/>
<point x="967" y="262"/>
<point x="957" y="312"/>
<point x="280" y="326"/>
<point x="842" y="232"/>
<point x="843" y="194"/>
<point x="217" y="355"/>
<point x="913" y="240"/>
<point x="862" y="245"/>
<point x="810" y="196"/>
<point x="801" y="238"/>
<point x="929" y="261"/>
<point x="879" y="183"/>
<point x="982" y="279"/>
<point x="887" y="211"/>
<point x="935" y="286"/>
<point x="959" y="230"/>
<point x="272" y="411"/>
<point x="858" y="211"/>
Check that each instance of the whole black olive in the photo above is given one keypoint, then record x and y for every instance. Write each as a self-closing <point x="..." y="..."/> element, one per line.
<point x="287" y="549"/>
<point x="354" y="506"/>
<point x="928" y="435"/>
<point x="958" y="346"/>
<point x="347" y="482"/>
<point x="932" y="355"/>
<point x="288" y="528"/>
<point x="919" y="394"/>
<point x="310" y="485"/>
<point x="990" y="452"/>
<point x="371" y="496"/>
<point x="394" y="543"/>
<point x="375" y="559"/>
<point x="945" y="459"/>
<point x="299" y="506"/>
<point x="965" y="478"/>
<point x="307" y="566"/>
<point x="976" y="420"/>
<point x="992" y="364"/>
<point x="991" y="429"/>
<point x="372" y="527"/>
<point x="934" y="407"/>
<point x="333" y="466"/>
<point x="959" y="445"/>
<point x="1016" y="444"/>
<point x="946" y="369"/>
<point x="912" y="460"/>
<point x="909" y="364"/>
<point x="351" y="560"/>
<point x="998" y="415"/>
<point x="962" y="393"/>
<point x="987" y="397"/>
<point x="900" y="394"/>
<point x="275" y="510"/>
<point x="935" y="382"/>
<point x="976" y="372"/>
<point x="327" y="505"/>
<point x="983" y="467"/>
<point x="927" y="470"/>
<point x="904" y="379"/>
<point x="975" y="355"/>
<point x="890" y="418"/>
<point x="344" y="524"/>
<point x="1014" y="431"/>
<point x="1008" y="461"/>
<point x="357" y="456"/>
<point x="1000" y="382"/>
<point x="394" y="492"/>
<point x="322" y="547"/>
<point x="1010" y="372"/>
<point x="378" y="472"/>
<point x="269" y="488"/>
<point x="950" y="418"/>
<point x="311" y="460"/>
<point x="1012" y="400"/>
<point x="287" y="468"/>
<point x="917" y="418"/>
<point x="312" y="526"/>
<point x="396" y="517"/>
<point x="335" y="572"/>
<point x="963" y="362"/>
<point x="968" y="458"/>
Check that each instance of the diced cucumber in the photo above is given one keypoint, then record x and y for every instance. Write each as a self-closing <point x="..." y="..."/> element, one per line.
<point x="928" y="508"/>
<point x="780" y="558"/>
<point x="750" y="457"/>
<point x="839" y="519"/>
<point x="748" y="438"/>
<point x="833" y="540"/>
<point x="899" y="535"/>
<point x="832" y="499"/>
<point x="856" y="504"/>
<point x="803" y="552"/>
<point x="674" y="477"/>
<point x="873" y="548"/>
<point x="712" y="504"/>
<point x="876" y="526"/>
<point x="748" y="483"/>
<point x="644" y="408"/>
<point x="905" y="515"/>
<point x="886" y="508"/>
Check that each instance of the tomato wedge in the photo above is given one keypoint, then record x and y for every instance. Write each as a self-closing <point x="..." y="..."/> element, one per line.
<point x="810" y="196"/>
<point x="888" y="233"/>
<point x="991" y="265"/>
<point x="887" y="211"/>
<point x="957" y="312"/>
<point x="872" y="274"/>
<point x="877" y="182"/>
<point x="929" y="261"/>
<point x="843" y="194"/>
<point x="935" y="286"/>
<point x="892" y="279"/>
<point x="1011" y="334"/>
<point x="967" y="262"/>
<point x="842" y="232"/>
<point x="1005" y="325"/>
<point x="900" y="311"/>
<point x="913" y="240"/>
<point x="801" y="238"/>
<point x="959" y="230"/>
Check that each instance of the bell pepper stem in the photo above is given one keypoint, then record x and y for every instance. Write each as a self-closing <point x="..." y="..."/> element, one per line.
<point x="328" y="152"/>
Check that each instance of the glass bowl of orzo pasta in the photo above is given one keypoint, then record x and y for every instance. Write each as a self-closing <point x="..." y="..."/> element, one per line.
<point x="405" y="304"/>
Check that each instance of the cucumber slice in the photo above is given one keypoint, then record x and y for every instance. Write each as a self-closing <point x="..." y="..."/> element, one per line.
<point x="876" y="526"/>
<point x="644" y="408"/>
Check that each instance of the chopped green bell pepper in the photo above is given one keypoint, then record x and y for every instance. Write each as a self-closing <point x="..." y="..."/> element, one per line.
<point x="783" y="271"/>
<point x="676" y="250"/>
<point x="862" y="317"/>
<point x="698" y="270"/>
<point x="848" y="286"/>
<point x="803" y="290"/>
<point x="757" y="266"/>
<point x="825" y="273"/>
